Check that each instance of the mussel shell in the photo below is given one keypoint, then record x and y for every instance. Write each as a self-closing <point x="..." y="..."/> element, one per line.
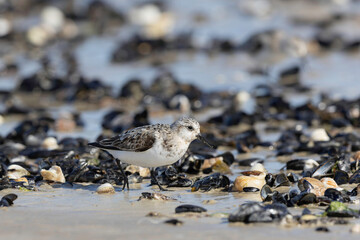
<point x="355" y="178"/>
<point x="324" y="168"/>
<point x="228" y="158"/>
<point x="266" y="193"/>
<point x="215" y="180"/>
<point x="8" y="200"/>
<point x="270" y="179"/>
<point x="244" y="211"/>
<point x="293" y="177"/>
<point x="355" y="191"/>
<point x="335" y="195"/>
<point x="281" y="180"/>
<point x="189" y="208"/>
<point x="174" y="221"/>
<point x="306" y="198"/>
<point x="250" y="189"/>
<point x="250" y="162"/>
<point x="270" y="213"/>
<point x="180" y="182"/>
<point x="280" y="198"/>
<point x="341" y="177"/>
<point x="296" y="164"/>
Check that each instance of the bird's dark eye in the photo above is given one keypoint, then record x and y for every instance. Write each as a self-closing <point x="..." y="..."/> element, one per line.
<point x="190" y="128"/>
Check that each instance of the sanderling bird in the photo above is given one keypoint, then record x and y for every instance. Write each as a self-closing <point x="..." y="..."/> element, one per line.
<point x="152" y="145"/>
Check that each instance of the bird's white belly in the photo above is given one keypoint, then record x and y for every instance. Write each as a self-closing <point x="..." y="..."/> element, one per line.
<point x="148" y="158"/>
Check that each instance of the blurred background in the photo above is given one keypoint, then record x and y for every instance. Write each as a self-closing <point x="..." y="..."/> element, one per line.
<point x="83" y="59"/>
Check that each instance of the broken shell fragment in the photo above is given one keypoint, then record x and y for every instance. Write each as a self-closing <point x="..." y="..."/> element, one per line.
<point x="54" y="174"/>
<point x="105" y="188"/>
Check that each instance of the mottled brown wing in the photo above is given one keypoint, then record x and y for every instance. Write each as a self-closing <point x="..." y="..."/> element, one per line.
<point x="136" y="140"/>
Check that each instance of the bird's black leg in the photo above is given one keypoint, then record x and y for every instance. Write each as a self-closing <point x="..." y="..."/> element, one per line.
<point x="153" y="177"/>
<point x="126" y="181"/>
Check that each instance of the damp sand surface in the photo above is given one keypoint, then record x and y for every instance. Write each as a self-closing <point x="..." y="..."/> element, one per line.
<point x="77" y="212"/>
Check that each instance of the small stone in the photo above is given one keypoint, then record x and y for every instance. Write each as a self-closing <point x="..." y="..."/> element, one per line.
<point x="322" y="229"/>
<point x="54" y="174"/>
<point x="355" y="228"/>
<point x="50" y="143"/>
<point x="105" y="188"/>
<point x="319" y="135"/>
<point x="174" y="222"/>
<point x="15" y="171"/>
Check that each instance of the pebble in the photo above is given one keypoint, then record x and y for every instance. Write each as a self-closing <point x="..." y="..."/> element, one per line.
<point x="50" y="143"/>
<point x="105" y="188"/>
<point x="355" y="228"/>
<point x="54" y="174"/>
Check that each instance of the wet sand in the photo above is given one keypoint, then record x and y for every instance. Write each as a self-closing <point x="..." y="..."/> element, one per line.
<point x="80" y="213"/>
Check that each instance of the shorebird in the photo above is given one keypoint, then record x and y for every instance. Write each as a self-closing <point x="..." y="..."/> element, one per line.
<point x="152" y="145"/>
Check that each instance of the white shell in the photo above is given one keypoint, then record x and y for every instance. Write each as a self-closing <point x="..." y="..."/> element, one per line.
<point x="258" y="167"/>
<point x="16" y="171"/>
<point x="54" y="174"/>
<point x="319" y="135"/>
<point x="50" y="143"/>
<point x="105" y="188"/>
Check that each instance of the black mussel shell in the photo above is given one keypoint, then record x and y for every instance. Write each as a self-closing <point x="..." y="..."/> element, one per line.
<point x="181" y="182"/>
<point x="189" y="208"/>
<point x="215" y="180"/>
<point x="304" y="198"/>
<point x="174" y="222"/>
<point x="250" y="162"/>
<point x="341" y="177"/>
<point x="324" y="168"/>
<point x="336" y="195"/>
<point x="250" y="189"/>
<point x="296" y="164"/>
<point x="280" y="198"/>
<point x="257" y="212"/>
<point x="355" y="178"/>
<point x="281" y="180"/>
<point x="266" y="193"/>
<point x="8" y="200"/>
<point x="322" y="229"/>
<point x="228" y="158"/>
<point x="355" y="191"/>
<point x="270" y="179"/>
<point x="293" y="177"/>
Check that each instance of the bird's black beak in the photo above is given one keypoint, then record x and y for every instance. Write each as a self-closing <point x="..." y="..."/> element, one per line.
<point x="201" y="138"/>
